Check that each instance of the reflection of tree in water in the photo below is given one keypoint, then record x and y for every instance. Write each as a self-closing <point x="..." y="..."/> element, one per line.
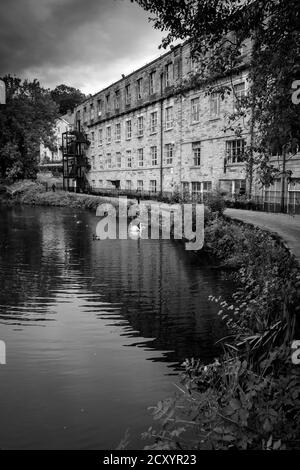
<point x="27" y="270"/>
<point x="152" y="289"/>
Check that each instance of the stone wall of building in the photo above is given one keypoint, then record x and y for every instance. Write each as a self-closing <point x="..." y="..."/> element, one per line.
<point x="188" y="139"/>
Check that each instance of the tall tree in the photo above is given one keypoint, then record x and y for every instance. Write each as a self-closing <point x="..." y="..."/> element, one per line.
<point x="67" y="98"/>
<point x="216" y="30"/>
<point x="26" y="120"/>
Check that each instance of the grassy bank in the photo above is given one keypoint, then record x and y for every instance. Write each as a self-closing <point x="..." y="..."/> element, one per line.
<point x="35" y="194"/>
<point x="250" y="397"/>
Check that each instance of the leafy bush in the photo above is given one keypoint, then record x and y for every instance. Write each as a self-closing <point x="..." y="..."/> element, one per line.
<point x="250" y="397"/>
<point x="216" y="203"/>
<point x="229" y="405"/>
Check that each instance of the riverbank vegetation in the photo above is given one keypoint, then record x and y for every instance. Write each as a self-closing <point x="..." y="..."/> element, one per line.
<point x="34" y="194"/>
<point x="249" y="397"/>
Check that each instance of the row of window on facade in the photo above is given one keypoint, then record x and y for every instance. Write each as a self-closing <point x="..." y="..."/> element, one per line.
<point x="239" y="92"/>
<point x="129" y="162"/>
<point x="195" y="188"/>
<point x="234" y="154"/>
<point x="169" y="122"/>
<point x="113" y="99"/>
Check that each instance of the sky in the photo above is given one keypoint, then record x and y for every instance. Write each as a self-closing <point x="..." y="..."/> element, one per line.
<point x="87" y="44"/>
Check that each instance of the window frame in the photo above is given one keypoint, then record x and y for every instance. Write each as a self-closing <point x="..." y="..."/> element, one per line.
<point x="196" y="149"/>
<point x="139" y="88"/>
<point x="140" y="126"/>
<point x="128" y="127"/>
<point x="108" y="134"/>
<point x="215" y="105"/>
<point x="153" y="157"/>
<point x="140" y="152"/>
<point x="169" y="120"/>
<point x="233" y="155"/>
<point x="128" y="93"/>
<point x="195" y="110"/>
<point x="169" y="153"/>
<point x="153" y="122"/>
<point x="118" y="132"/>
<point x="153" y="187"/>
<point x="128" y="159"/>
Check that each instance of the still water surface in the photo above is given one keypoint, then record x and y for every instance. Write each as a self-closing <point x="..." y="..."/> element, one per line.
<point x="95" y="330"/>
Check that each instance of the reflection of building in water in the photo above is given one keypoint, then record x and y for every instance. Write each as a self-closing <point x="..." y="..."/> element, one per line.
<point x="53" y="235"/>
<point x="161" y="293"/>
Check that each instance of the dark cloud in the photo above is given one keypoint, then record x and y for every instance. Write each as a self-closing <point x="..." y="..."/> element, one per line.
<point x="84" y="43"/>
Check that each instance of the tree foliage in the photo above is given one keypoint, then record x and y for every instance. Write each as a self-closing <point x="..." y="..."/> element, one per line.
<point x="216" y="30"/>
<point x="67" y="98"/>
<point x="26" y="120"/>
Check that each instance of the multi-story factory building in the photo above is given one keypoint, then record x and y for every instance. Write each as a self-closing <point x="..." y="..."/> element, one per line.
<point x="147" y="135"/>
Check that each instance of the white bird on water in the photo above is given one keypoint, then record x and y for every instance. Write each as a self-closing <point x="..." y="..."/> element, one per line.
<point x="136" y="229"/>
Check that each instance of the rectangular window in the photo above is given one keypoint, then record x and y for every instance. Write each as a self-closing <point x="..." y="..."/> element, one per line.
<point x="93" y="163"/>
<point x="128" y="184"/>
<point x="101" y="164"/>
<point x="214" y="105"/>
<point x="140" y="157"/>
<point x="239" y="187"/>
<point x="117" y="99"/>
<point x="92" y="139"/>
<point x="196" y="189"/>
<point x="107" y="103"/>
<point x="92" y="112"/>
<point x="118" y="132"/>
<point x="139" y="85"/>
<point x="153" y="186"/>
<point x="100" y="135"/>
<point x="176" y="69"/>
<point x="140" y="126"/>
<point x="140" y="185"/>
<point x="129" y="158"/>
<point x="169" y="117"/>
<point x="239" y="93"/>
<point x="127" y="94"/>
<point x="195" y="111"/>
<point x="100" y="183"/>
<point x="108" y="135"/>
<point x="235" y="150"/>
<point x="168" y="74"/>
<point x="185" y="185"/>
<point x="153" y="122"/>
<point x="99" y="108"/>
<point x="128" y="129"/>
<point x="118" y="160"/>
<point x="108" y="160"/>
<point x="206" y="187"/>
<point x="153" y="153"/>
<point x="196" y="153"/>
<point x="169" y="154"/>
<point x="152" y="83"/>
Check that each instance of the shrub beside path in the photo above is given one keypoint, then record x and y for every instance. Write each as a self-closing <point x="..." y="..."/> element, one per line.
<point x="284" y="225"/>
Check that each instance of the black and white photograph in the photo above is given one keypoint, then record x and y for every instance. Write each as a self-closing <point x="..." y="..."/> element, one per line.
<point x="149" y="229"/>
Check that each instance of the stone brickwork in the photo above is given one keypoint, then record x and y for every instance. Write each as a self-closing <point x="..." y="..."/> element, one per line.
<point x="191" y="149"/>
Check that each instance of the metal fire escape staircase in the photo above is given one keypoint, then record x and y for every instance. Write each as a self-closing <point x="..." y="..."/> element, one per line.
<point x="75" y="161"/>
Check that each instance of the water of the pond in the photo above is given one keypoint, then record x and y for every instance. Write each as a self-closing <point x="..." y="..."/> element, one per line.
<point x="94" y="330"/>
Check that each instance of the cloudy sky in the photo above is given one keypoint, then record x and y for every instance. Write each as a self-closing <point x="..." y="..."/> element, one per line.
<point x="87" y="44"/>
